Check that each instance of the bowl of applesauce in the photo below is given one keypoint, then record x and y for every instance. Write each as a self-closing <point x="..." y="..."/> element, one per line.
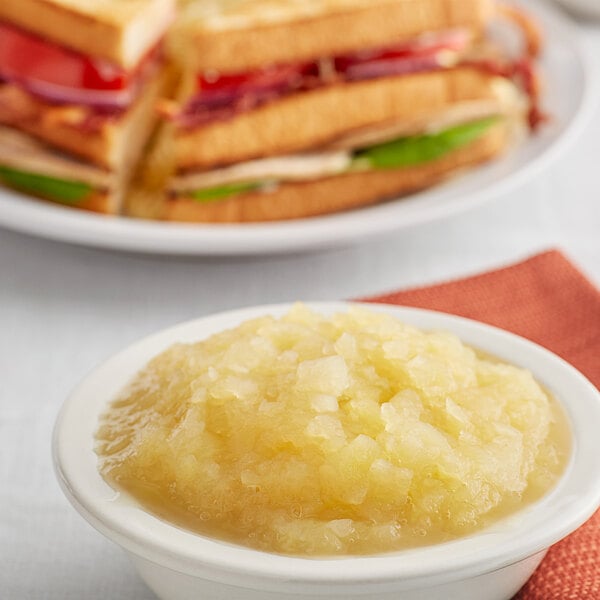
<point x="332" y="450"/>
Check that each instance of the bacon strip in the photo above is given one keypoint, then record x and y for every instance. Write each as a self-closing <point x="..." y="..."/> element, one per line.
<point x="522" y="70"/>
<point x="532" y="34"/>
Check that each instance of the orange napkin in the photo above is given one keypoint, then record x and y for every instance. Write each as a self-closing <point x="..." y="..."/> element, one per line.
<point x="547" y="300"/>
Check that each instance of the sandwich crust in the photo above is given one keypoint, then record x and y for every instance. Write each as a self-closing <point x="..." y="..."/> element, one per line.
<point x="119" y="31"/>
<point x="318" y="118"/>
<point x="99" y="201"/>
<point x="237" y="35"/>
<point x="343" y="192"/>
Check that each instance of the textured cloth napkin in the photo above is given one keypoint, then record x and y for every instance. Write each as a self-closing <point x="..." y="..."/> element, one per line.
<point x="547" y="300"/>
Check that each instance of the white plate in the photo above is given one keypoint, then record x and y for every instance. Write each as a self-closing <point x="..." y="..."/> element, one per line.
<point x="567" y="99"/>
<point x="582" y="7"/>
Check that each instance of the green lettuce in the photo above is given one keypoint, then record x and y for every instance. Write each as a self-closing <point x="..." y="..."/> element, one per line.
<point x="225" y="191"/>
<point x="59" y="190"/>
<point x="416" y="150"/>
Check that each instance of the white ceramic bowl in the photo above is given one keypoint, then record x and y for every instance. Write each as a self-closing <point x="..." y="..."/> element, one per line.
<point x="179" y="565"/>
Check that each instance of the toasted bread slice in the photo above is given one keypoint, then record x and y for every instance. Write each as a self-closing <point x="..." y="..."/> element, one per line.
<point x="318" y="118"/>
<point x="296" y="200"/>
<point x="99" y="201"/>
<point x="237" y="35"/>
<point x="121" y="32"/>
<point x="110" y="141"/>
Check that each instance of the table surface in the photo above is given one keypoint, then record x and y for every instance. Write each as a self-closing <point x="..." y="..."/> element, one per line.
<point x="63" y="309"/>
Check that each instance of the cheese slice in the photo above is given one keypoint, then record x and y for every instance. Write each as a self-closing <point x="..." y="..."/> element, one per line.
<point x="299" y="167"/>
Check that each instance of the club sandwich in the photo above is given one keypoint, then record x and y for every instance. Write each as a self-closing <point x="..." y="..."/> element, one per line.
<point x="289" y="109"/>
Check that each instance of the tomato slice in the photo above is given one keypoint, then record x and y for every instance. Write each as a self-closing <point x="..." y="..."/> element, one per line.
<point x="27" y="58"/>
<point x="272" y="79"/>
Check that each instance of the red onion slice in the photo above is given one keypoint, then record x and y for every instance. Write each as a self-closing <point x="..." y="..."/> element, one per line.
<point x="391" y="67"/>
<point x="56" y="94"/>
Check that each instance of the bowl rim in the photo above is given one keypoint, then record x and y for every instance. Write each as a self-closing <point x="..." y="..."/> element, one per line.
<point x="515" y="538"/>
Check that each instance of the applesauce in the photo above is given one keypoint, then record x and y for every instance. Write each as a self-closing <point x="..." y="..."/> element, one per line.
<point x="313" y="435"/>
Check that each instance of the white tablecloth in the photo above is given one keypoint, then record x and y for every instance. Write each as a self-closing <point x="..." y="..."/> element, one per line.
<point x="64" y="309"/>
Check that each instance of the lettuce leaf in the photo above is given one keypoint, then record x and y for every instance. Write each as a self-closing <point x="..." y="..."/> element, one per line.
<point x="415" y="150"/>
<point x="59" y="190"/>
<point x="225" y="191"/>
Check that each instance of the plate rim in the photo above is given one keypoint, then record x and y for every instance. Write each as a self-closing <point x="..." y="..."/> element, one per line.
<point x="27" y="215"/>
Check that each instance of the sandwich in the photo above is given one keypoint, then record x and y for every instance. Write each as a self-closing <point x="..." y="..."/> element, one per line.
<point x="288" y="109"/>
<point x="79" y="81"/>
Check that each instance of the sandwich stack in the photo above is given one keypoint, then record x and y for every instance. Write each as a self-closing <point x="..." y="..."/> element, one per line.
<point x="279" y="109"/>
<point x="79" y="80"/>
<point x="290" y="109"/>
